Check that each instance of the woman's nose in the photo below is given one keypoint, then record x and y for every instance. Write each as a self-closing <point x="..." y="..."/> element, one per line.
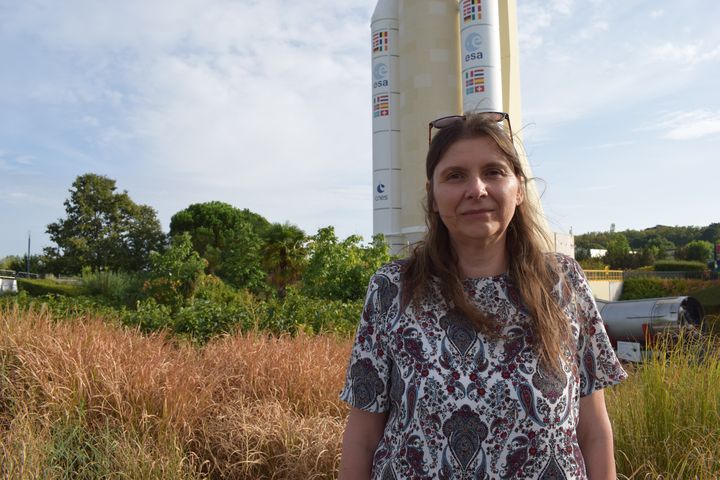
<point x="476" y="188"/>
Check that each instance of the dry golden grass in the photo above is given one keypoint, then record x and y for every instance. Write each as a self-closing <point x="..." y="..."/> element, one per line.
<point x="106" y="399"/>
<point x="86" y="399"/>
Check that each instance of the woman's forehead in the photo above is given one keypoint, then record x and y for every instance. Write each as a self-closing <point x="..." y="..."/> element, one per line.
<point x="474" y="151"/>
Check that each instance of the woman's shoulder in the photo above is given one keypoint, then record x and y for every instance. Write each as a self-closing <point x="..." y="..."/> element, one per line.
<point x="392" y="270"/>
<point x="566" y="266"/>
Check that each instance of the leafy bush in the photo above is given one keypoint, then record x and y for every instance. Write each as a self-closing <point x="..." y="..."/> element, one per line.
<point x="118" y="288"/>
<point x="679" y="266"/>
<point x="297" y="312"/>
<point x="592" y="264"/>
<point x="340" y="270"/>
<point x="149" y="316"/>
<point x="38" y="287"/>
<point x="642" y="287"/>
<point x="61" y="306"/>
<point x="204" y="319"/>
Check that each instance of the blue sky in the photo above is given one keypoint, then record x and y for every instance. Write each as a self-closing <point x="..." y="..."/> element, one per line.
<point x="265" y="105"/>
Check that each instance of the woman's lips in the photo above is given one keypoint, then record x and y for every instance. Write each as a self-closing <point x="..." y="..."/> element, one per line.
<point x="477" y="211"/>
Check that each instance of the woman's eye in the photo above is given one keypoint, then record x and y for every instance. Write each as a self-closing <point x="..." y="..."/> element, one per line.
<point x="495" y="172"/>
<point x="454" y="176"/>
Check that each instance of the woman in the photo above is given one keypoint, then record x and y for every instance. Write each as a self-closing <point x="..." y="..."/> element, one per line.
<point x="480" y="356"/>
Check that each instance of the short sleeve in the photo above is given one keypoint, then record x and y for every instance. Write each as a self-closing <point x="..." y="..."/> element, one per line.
<point x="368" y="375"/>
<point x="599" y="367"/>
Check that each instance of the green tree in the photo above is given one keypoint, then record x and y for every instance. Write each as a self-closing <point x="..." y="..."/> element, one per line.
<point x="174" y="274"/>
<point x="699" y="251"/>
<point x="38" y="263"/>
<point x="284" y="255"/>
<point x="229" y="239"/>
<point x="103" y="229"/>
<point x="341" y="270"/>
<point x="241" y="258"/>
<point x="618" y="252"/>
<point x="711" y="233"/>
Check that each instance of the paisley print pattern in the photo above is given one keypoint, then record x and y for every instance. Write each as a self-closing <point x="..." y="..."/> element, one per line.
<point x="463" y="406"/>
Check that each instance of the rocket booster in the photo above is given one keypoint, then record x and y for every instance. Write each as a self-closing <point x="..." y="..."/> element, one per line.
<point x="386" y="121"/>
<point x="481" y="81"/>
<point x="432" y="58"/>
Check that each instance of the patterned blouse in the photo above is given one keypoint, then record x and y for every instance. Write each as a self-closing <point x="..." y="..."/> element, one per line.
<point x="463" y="406"/>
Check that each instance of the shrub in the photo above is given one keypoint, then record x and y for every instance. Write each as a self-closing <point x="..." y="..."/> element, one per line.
<point x="149" y="316"/>
<point x="118" y="288"/>
<point x="592" y="264"/>
<point x="297" y="312"/>
<point x="204" y="319"/>
<point x="38" y="287"/>
<point x="60" y="306"/>
<point x="642" y="287"/>
<point x="679" y="266"/>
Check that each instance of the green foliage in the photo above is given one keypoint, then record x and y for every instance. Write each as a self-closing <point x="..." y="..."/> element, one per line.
<point x="174" y="273"/>
<point x="220" y="233"/>
<point x="117" y="288"/>
<point x="38" y="287"/>
<point x="62" y="306"/>
<point x="341" y="270"/>
<point x="592" y="264"/>
<point x="284" y="255"/>
<point x="38" y="263"/>
<point x="679" y="266"/>
<point x="711" y="233"/>
<point x="204" y="319"/>
<point x="241" y="258"/>
<point x="657" y="242"/>
<point x="102" y="230"/>
<point x="149" y="316"/>
<point x="297" y="312"/>
<point x="698" y="251"/>
<point x="709" y="296"/>
<point x="635" y="288"/>
<point x="618" y="252"/>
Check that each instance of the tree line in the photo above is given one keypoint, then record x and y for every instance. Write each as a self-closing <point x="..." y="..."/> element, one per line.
<point x="105" y="230"/>
<point x="638" y="248"/>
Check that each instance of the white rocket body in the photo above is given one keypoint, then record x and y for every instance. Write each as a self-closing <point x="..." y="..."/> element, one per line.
<point x="481" y="80"/>
<point x="386" y="122"/>
<point x="432" y="58"/>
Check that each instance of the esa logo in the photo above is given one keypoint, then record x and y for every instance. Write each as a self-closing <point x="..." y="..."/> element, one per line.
<point x="380" y="72"/>
<point x="381" y="193"/>
<point x="473" y="43"/>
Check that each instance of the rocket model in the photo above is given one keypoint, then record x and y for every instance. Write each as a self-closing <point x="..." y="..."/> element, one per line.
<point x="432" y="58"/>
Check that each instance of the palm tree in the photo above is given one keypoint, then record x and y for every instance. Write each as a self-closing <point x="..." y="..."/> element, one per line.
<point x="284" y="255"/>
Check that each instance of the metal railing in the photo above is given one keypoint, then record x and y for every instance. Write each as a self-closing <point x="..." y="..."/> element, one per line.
<point x="14" y="274"/>
<point x="604" y="275"/>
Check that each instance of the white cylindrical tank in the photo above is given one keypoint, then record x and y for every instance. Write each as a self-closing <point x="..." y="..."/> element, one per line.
<point x="637" y="320"/>
<point x="386" y="123"/>
<point x="429" y="86"/>
<point x="481" y="63"/>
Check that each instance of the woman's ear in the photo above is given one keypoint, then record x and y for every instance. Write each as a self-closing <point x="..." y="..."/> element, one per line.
<point x="520" y="197"/>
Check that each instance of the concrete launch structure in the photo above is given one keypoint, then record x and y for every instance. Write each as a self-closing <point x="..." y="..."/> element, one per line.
<point x="433" y="58"/>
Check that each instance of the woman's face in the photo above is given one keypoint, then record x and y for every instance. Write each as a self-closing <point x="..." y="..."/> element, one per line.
<point x="475" y="191"/>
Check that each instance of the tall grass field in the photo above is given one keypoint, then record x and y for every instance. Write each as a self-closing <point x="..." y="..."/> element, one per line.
<point x="86" y="398"/>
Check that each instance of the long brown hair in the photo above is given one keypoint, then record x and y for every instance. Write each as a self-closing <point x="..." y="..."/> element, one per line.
<point x="530" y="269"/>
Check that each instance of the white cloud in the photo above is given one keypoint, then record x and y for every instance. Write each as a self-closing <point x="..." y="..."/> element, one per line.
<point x="263" y="103"/>
<point x="593" y="29"/>
<point x="657" y="13"/>
<point x="563" y="7"/>
<point x="689" y="54"/>
<point x="690" y="125"/>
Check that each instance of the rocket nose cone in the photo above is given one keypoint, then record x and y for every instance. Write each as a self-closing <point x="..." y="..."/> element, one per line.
<point x="385" y="9"/>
